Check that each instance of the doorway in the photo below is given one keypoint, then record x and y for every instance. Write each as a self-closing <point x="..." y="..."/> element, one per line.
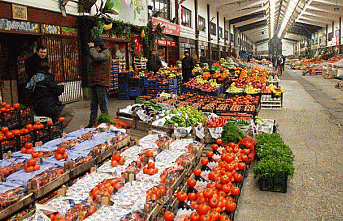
<point x="14" y="50"/>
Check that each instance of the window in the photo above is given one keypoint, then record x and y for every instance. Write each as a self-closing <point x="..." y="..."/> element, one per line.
<point x="213" y="29"/>
<point x="220" y="32"/>
<point x="201" y="24"/>
<point x="186" y="16"/>
<point x="161" y="8"/>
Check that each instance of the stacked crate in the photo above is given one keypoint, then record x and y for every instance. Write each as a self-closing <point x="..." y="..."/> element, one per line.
<point x="123" y="88"/>
<point x="151" y="87"/>
<point x="114" y="77"/>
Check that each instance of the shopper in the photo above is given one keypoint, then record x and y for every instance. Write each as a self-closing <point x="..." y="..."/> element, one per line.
<point x="33" y="63"/>
<point x="187" y="67"/>
<point x="154" y="62"/>
<point x="283" y="63"/>
<point x="280" y="64"/>
<point x="44" y="92"/>
<point x="100" y="82"/>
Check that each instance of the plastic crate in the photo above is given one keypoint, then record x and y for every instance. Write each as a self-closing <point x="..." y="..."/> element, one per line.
<point x="135" y="91"/>
<point x="273" y="183"/>
<point x="25" y="117"/>
<point x="9" y="119"/>
<point x="216" y="93"/>
<point x="9" y="144"/>
<point x="150" y="83"/>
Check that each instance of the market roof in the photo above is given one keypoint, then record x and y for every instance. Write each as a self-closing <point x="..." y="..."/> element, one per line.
<point x="291" y="19"/>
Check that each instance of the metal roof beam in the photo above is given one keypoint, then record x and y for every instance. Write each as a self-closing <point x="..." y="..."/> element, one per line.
<point x="259" y="14"/>
<point x="253" y="26"/>
<point x="243" y="13"/>
<point x="312" y="21"/>
<point x="330" y="2"/>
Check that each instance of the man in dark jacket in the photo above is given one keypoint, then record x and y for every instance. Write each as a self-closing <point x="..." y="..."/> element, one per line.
<point x="33" y="63"/>
<point x="154" y="62"/>
<point x="100" y="78"/>
<point x="44" y="92"/>
<point x="187" y="67"/>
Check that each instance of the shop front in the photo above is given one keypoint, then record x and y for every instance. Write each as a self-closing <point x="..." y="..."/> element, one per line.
<point x="187" y="44"/>
<point x="215" y="52"/>
<point x="18" y="39"/>
<point x="203" y="49"/>
<point x="168" y="47"/>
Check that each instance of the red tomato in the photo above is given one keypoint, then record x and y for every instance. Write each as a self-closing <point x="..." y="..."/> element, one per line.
<point x="191" y="182"/>
<point x="181" y="196"/>
<point x="197" y="172"/>
<point x="192" y="196"/>
<point x="168" y="216"/>
<point x="204" y="161"/>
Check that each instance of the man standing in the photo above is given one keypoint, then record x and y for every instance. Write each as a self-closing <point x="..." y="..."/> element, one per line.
<point x="154" y="62"/>
<point x="33" y="63"/>
<point x="187" y="67"/>
<point x="100" y="82"/>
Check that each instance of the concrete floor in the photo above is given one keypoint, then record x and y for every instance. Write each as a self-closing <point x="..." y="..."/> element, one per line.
<point x="306" y="125"/>
<point x="309" y="124"/>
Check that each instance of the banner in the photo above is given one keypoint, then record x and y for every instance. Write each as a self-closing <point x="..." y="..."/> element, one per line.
<point x="169" y="28"/>
<point x="21" y="26"/>
<point x="131" y="11"/>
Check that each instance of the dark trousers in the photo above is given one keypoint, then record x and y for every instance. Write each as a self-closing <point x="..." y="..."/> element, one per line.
<point x="99" y="98"/>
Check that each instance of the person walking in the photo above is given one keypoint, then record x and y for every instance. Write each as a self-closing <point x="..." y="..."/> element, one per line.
<point x="280" y="64"/>
<point x="33" y="63"/>
<point x="44" y="92"/>
<point x="154" y="62"/>
<point x="187" y="67"/>
<point x="100" y="75"/>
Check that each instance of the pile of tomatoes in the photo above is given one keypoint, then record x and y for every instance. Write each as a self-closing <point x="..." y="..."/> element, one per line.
<point x="28" y="148"/>
<point x="155" y="193"/>
<point x="61" y="153"/>
<point x="106" y="188"/>
<point x="117" y="159"/>
<point x="31" y="165"/>
<point x="150" y="169"/>
<point x="243" y="100"/>
<point x="216" y="202"/>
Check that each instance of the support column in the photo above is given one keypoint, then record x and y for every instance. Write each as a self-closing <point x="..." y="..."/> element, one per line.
<point x="209" y="34"/>
<point x="196" y="28"/>
<point x="340" y="35"/>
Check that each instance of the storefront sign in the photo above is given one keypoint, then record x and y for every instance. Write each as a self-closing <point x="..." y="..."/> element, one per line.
<point x="51" y="29"/>
<point x="169" y="28"/>
<point x="19" y="12"/>
<point x="171" y="43"/>
<point x="68" y="31"/>
<point x="22" y="26"/>
<point x="165" y="42"/>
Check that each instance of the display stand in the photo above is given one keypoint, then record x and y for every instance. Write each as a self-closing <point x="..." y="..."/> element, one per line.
<point x="269" y="101"/>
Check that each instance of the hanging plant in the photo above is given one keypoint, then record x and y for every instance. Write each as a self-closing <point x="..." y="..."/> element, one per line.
<point x="151" y="33"/>
<point x="98" y="29"/>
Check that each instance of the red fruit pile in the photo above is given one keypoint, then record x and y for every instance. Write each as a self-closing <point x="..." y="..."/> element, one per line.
<point x="61" y="153"/>
<point x="31" y="166"/>
<point x="117" y="159"/>
<point x="150" y="169"/>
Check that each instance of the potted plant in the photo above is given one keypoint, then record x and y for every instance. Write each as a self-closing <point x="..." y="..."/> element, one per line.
<point x="275" y="164"/>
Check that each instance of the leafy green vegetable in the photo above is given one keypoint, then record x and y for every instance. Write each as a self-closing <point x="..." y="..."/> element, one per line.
<point x="105" y="118"/>
<point x="231" y="133"/>
<point x="276" y="158"/>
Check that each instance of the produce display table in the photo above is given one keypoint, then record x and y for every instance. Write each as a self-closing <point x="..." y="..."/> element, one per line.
<point x="71" y="172"/>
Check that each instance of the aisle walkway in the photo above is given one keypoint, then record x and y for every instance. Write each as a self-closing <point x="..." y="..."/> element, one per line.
<point x="316" y="190"/>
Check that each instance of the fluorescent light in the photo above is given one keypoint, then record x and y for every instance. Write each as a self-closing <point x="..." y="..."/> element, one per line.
<point x="272" y="17"/>
<point x="289" y="11"/>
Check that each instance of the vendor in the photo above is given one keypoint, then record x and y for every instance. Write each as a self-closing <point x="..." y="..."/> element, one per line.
<point x="187" y="67"/>
<point x="154" y="62"/>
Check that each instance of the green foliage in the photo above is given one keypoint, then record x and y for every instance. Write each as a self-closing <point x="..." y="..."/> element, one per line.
<point x="186" y="117"/>
<point x="105" y="118"/>
<point x="151" y="34"/>
<point x="231" y="133"/>
<point x="276" y="158"/>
